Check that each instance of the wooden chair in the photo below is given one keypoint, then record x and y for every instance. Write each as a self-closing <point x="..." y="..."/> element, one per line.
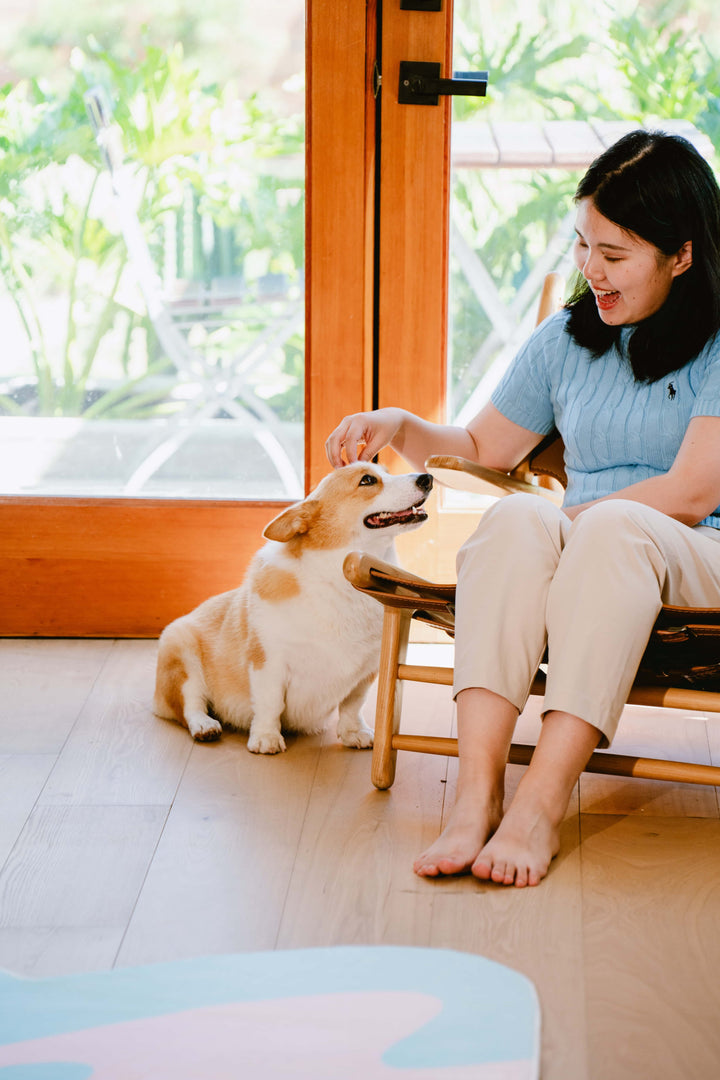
<point x="680" y="668"/>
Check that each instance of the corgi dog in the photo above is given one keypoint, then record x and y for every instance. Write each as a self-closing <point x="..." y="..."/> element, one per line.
<point x="295" y="641"/>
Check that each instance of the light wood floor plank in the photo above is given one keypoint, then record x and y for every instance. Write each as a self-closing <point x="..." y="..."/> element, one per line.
<point x="118" y="753"/>
<point x="353" y="880"/>
<point x="661" y="733"/>
<point x="22" y="777"/>
<point x="77" y="867"/>
<point x="45" y="952"/>
<point x="220" y="875"/>
<point x="44" y="686"/>
<point x="651" y="911"/>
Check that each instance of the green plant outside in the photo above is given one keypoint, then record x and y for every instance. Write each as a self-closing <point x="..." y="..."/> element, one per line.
<point x="189" y="144"/>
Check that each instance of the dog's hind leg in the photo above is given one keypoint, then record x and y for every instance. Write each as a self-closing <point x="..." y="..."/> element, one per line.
<point x="180" y="692"/>
<point x="351" y="729"/>
<point x="202" y="727"/>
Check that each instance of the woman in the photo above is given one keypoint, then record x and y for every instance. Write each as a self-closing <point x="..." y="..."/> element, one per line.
<point x="629" y="373"/>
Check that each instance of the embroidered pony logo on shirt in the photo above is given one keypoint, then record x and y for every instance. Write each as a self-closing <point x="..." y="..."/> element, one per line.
<point x="671" y="391"/>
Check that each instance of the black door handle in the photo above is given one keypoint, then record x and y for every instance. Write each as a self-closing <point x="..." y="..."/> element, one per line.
<point x="420" y="83"/>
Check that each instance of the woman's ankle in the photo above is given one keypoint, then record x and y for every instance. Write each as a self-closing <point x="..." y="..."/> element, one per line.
<point x="542" y="796"/>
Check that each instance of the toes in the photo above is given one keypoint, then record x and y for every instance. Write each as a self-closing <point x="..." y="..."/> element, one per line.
<point x="521" y="877"/>
<point x="488" y="868"/>
<point x="425" y="869"/>
<point x="500" y="873"/>
<point x="535" y="877"/>
<point x="452" y="865"/>
<point x="435" y="866"/>
<point x="482" y="868"/>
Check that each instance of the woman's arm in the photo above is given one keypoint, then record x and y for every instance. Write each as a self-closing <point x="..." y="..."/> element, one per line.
<point x="490" y="439"/>
<point x="690" y="489"/>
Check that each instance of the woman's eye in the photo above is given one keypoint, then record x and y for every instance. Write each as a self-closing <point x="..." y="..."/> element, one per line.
<point x="368" y="478"/>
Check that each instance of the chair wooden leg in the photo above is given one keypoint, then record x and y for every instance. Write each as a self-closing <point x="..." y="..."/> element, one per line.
<point x="393" y="650"/>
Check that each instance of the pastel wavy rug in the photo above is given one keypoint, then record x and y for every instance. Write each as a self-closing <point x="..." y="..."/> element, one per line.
<point x="350" y="1013"/>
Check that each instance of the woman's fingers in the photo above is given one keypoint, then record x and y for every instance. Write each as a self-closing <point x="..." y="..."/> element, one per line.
<point x="356" y="438"/>
<point x="341" y="440"/>
<point x="334" y="445"/>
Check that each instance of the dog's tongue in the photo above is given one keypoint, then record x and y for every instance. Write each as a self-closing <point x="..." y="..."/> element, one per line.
<point x="387" y="517"/>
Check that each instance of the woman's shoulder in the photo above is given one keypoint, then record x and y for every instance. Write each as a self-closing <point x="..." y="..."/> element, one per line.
<point x="555" y="325"/>
<point x="703" y="372"/>
<point x="551" y="345"/>
<point x="711" y="351"/>
<point x="706" y="359"/>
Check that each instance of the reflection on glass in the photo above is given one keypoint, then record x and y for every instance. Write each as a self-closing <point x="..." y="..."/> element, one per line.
<point x="559" y="92"/>
<point x="151" y="250"/>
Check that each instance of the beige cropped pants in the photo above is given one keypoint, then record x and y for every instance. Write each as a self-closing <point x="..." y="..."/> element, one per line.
<point x="589" y="590"/>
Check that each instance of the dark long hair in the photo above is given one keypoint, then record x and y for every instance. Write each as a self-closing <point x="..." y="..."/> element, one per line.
<point x="659" y="187"/>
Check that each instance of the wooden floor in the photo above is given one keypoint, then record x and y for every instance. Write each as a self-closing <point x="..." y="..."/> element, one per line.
<point x="122" y="842"/>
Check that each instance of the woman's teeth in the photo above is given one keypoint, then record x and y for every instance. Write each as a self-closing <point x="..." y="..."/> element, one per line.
<point x="606" y="299"/>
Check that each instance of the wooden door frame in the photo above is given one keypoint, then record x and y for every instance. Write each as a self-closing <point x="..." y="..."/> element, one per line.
<point x="414" y="218"/>
<point x="81" y="567"/>
<point x="413" y="262"/>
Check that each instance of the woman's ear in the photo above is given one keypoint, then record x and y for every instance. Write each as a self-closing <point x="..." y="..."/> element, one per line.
<point x="683" y="259"/>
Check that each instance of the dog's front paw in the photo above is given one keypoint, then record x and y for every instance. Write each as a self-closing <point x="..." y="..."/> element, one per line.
<point x="266" y="742"/>
<point x="359" y="737"/>
<point x="202" y="727"/>
<point x="209" y="735"/>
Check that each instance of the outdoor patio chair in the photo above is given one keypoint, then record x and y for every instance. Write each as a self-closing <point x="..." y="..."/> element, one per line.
<point x="680" y="668"/>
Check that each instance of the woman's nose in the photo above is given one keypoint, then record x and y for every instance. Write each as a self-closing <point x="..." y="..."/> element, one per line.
<point x="591" y="269"/>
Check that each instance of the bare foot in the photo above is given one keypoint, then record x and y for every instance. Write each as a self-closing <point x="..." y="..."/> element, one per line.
<point x="455" y="850"/>
<point x="521" y="850"/>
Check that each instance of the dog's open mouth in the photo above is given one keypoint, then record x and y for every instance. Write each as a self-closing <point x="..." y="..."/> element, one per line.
<point x="412" y="516"/>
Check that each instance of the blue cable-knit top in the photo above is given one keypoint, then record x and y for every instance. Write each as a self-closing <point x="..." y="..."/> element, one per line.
<point x="616" y="431"/>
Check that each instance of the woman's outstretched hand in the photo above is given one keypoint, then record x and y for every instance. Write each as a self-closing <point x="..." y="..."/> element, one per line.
<point x="361" y="436"/>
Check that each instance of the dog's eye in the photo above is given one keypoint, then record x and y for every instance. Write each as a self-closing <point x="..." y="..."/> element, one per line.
<point x="368" y="478"/>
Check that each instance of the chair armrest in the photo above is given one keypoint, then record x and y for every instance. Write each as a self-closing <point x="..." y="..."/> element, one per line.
<point x="368" y="572"/>
<point x="457" y="472"/>
<point x="396" y="588"/>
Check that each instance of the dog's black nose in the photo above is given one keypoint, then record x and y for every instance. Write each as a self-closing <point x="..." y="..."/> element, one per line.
<point x="424" y="481"/>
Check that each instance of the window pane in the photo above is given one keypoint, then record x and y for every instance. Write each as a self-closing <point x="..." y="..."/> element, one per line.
<point x="560" y="91"/>
<point x="151" y="249"/>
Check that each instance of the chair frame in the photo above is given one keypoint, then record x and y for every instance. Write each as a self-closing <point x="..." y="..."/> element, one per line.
<point x="406" y="597"/>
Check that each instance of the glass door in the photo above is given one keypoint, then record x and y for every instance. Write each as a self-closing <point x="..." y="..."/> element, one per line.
<point x="152" y="252"/>
<point x="160" y="396"/>
<point x="560" y="93"/>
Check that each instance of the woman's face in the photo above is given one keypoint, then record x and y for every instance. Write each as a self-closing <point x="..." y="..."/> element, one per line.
<point x="630" y="277"/>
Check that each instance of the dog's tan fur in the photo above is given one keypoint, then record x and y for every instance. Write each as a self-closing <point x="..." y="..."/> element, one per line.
<point x="295" y="641"/>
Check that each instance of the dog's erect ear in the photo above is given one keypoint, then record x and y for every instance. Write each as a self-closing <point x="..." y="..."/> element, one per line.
<point x="294" y="521"/>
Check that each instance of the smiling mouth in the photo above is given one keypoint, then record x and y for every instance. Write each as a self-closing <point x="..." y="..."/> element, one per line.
<point x="384" y="518"/>
<point x="606" y="300"/>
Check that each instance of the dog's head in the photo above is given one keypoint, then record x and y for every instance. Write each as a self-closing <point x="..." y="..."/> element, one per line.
<point x="352" y="506"/>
